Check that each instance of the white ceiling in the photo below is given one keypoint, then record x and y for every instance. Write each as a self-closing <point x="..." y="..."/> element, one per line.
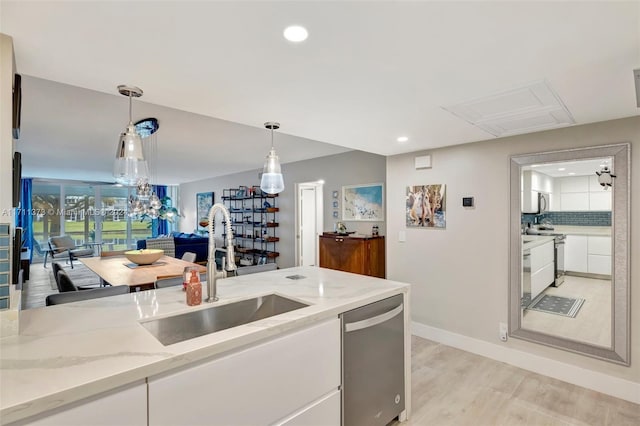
<point x="572" y="168"/>
<point x="369" y="72"/>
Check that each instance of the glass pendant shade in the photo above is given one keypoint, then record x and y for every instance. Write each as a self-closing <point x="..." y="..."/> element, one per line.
<point x="130" y="166"/>
<point x="272" y="181"/>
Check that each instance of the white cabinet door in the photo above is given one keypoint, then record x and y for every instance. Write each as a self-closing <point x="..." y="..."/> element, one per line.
<point x="255" y="386"/>
<point x="575" y="253"/>
<point x="600" y="200"/>
<point x="325" y="412"/>
<point x="571" y="202"/>
<point x="599" y="264"/>
<point x="122" y="407"/>
<point x="599" y="245"/>
<point x="574" y="184"/>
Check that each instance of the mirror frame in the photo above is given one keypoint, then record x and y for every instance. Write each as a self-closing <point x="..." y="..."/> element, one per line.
<point x="620" y="350"/>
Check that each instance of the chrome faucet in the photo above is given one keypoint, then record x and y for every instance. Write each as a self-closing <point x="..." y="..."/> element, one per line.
<point x="212" y="271"/>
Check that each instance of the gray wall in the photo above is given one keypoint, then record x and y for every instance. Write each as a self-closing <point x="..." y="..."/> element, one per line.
<point x="459" y="276"/>
<point x="350" y="168"/>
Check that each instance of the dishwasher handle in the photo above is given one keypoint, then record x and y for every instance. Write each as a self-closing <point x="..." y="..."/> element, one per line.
<point x="370" y="322"/>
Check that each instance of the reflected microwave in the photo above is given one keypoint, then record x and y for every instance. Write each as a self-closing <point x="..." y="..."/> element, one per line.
<point x="539" y="203"/>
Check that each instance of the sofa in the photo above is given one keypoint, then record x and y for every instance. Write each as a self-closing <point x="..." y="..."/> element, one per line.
<point x="181" y="243"/>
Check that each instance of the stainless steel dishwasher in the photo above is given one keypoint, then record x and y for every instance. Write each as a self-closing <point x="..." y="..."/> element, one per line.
<point x="373" y="363"/>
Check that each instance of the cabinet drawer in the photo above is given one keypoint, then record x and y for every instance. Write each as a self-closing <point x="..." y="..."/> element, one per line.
<point x="255" y="386"/>
<point x="325" y="412"/>
<point x="542" y="279"/>
<point x="541" y="256"/>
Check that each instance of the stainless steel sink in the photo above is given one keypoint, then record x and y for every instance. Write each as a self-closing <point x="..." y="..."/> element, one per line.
<point x="186" y="326"/>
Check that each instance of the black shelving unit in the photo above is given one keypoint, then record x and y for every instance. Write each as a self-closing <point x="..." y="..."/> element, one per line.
<point x="254" y="222"/>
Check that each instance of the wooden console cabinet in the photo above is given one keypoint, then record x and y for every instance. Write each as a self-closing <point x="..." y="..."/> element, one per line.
<point x="360" y="255"/>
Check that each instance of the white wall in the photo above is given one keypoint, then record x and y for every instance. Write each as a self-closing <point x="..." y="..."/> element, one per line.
<point x="350" y="168"/>
<point x="459" y="276"/>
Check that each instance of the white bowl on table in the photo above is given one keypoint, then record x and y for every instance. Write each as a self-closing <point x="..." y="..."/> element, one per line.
<point x="144" y="256"/>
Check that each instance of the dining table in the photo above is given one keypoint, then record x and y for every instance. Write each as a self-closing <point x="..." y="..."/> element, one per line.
<point x="118" y="270"/>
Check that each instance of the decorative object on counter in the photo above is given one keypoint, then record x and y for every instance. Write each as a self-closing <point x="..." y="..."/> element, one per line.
<point x="341" y="228"/>
<point x="605" y="177"/>
<point x="425" y="206"/>
<point x="186" y="275"/>
<point x="272" y="181"/>
<point x="194" y="290"/>
<point x="363" y="202"/>
<point x="204" y="201"/>
<point x="130" y="166"/>
<point x="144" y="256"/>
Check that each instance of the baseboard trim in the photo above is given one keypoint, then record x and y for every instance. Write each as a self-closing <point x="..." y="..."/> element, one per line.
<point x="599" y="382"/>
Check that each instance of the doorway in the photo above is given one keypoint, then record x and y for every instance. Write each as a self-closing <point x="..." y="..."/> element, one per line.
<point x="309" y="222"/>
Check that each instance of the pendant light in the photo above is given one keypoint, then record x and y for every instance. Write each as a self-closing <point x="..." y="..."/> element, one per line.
<point x="130" y="166"/>
<point x="272" y="182"/>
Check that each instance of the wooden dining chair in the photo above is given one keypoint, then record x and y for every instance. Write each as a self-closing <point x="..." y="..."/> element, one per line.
<point x="112" y="253"/>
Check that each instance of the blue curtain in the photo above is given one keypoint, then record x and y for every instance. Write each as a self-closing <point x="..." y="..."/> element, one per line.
<point x="159" y="226"/>
<point x="24" y="219"/>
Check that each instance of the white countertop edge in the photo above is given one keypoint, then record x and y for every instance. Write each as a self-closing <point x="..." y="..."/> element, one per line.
<point x="206" y="347"/>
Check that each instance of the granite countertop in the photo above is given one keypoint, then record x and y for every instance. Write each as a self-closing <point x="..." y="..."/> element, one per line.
<point x="65" y="353"/>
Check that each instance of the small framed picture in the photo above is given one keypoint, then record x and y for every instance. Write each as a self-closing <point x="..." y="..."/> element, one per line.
<point x="335" y="204"/>
<point x="335" y="214"/>
<point x="335" y="194"/>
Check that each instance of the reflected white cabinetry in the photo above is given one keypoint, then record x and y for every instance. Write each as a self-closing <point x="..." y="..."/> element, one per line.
<point x="542" y="268"/>
<point x="575" y="253"/>
<point x="292" y="379"/>
<point x="588" y="254"/>
<point x="599" y="255"/>
<point x="123" y="407"/>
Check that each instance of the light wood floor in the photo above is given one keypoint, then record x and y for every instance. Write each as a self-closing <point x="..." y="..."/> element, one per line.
<point x="593" y="322"/>
<point x="454" y="387"/>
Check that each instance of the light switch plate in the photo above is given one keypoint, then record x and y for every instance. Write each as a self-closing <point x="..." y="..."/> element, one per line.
<point x="402" y="236"/>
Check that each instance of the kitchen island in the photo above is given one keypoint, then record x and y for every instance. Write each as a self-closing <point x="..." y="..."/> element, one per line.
<point x="66" y="355"/>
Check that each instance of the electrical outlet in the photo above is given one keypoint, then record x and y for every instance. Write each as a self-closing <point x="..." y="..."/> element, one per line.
<point x="503" y="331"/>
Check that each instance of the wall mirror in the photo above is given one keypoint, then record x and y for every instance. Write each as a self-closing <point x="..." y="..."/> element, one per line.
<point x="569" y="250"/>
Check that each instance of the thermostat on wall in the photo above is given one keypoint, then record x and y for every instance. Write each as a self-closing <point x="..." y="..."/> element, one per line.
<point x="467" y="201"/>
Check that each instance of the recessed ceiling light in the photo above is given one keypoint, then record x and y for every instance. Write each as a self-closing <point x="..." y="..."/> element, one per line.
<point x="602" y="165"/>
<point x="571" y="173"/>
<point x="295" y="33"/>
<point x="561" y="169"/>
<point x="402" y="139"/>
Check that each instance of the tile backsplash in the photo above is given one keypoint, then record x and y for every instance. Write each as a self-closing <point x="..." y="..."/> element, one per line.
<point x="578" y="218"/>
<point x="4" y="266"/>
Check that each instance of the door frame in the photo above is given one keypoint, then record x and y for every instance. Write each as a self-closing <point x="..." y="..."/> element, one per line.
<point x="318" y="187"/>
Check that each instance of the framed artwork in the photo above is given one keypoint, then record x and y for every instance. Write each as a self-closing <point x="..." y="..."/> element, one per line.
<point x="335" y="204"/>
<point x="363" y="202"/>
<point x="425" y="206"/>
<point x="335" y="194"/>
<point x="204" y="201"/>
<point x="335" y="214"/>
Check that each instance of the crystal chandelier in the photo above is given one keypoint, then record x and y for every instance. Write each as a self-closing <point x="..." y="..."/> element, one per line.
<point x="145" y="202"/>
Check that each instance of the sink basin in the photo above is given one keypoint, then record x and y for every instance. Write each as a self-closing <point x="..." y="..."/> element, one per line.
<point x="186" y="326"/>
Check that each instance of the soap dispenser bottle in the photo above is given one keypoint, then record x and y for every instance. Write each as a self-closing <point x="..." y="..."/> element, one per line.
<point x="194" y="290"/>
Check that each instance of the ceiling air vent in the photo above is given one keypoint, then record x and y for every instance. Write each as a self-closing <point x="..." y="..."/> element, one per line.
<point x="526" y="109"/>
